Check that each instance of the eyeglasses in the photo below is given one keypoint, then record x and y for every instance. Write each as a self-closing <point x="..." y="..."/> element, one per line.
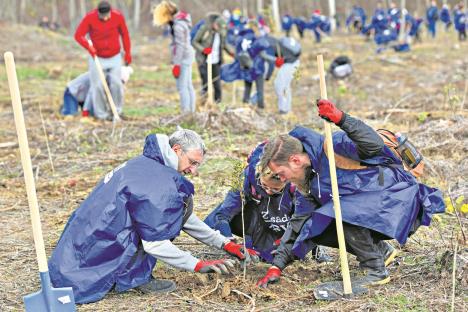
<point x="192" y="162"/>
<point x="271" y="190"/>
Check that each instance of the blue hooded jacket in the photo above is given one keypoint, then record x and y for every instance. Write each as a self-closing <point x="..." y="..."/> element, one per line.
<point x="287" y="22"/>
<point x="459" y="18"/>
<point x="394" y="209"/>
<point x="445" y="15"/>
<point x="142" y="199"/>
<point x="220" y="218"/>
<point x="357" y="14"/>
<point x="246" y="42"/>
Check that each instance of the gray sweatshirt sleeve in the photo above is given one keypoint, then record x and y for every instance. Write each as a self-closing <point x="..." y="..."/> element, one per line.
<point x="169" y="253"/>
<point x="199" y="230"/>
<point x="181" y="43"/>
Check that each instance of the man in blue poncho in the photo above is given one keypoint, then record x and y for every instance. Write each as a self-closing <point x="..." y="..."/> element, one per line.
<point x="460" y="21"/>
<point x="249" y="64"/>
<point x="380" y="200"/>
<point x="379" y="21"/>
<point x="356" y="19"/>
<point x="319" y="24"/>
<point x="128" y="222"/>
<point x="445" y="16"/>
<point x="268" y="207"/>
<point x="286" y="24"/>
<point x="301" y="25"/>
<point x="432" y="15"/>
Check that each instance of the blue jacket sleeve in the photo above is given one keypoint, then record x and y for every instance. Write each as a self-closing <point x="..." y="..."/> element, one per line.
<point x="225" y="212"/>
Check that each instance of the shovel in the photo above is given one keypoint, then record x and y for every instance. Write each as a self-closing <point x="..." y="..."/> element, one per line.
<point x="47" y="299"/>
<point x="102" y="77"/>
<point x="334" y="290"/>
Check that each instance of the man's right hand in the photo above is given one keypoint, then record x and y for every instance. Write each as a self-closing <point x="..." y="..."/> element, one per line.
<point x="279" y="61"/>
<point x="272" y="276"/>
<point x="92" y="51"/>
<point x="218" y="266"/>
<point x="176" y="71"/>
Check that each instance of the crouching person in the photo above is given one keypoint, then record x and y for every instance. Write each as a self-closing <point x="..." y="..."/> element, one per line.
<point x="269" y="205"/>
<point x="380" y="200"/>
<point x="128" y="222"/>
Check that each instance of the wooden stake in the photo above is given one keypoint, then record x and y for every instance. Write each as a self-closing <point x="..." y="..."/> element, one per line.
<point x="334" y="182"/>
<point x="210" y="100"/>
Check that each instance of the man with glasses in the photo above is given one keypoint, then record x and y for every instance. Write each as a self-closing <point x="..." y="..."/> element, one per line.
<point x="268" y="207"/>
<point x="129" y="220"/>
<point x="104" y="26"/>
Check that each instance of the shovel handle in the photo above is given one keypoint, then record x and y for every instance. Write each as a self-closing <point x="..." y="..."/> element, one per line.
<point x="26" y="161"/>
<point x="334" y="182"/>
<point x="106" y="89"/>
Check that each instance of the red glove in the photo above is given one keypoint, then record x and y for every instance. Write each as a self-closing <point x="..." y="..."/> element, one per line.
<point x="218" y="266"/>
<point x="279" y="61"/>
<point x="272" y="276"/>
<point x="207" y="51"/>
<point x="277" y="242"/>
<point x="176" y="71"/>
<point x="92" y="51"/>
<point x="328" y="111"/>
<point x="128" y="59"/>
<point x="237" y="250"/>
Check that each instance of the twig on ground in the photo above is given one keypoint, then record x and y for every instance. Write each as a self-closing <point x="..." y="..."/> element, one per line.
<point x="456" y="213"/>
<point x="282" y="303"/>
<point x="403" y="99"/>
<point x="252" y="300"/>
<point x="8" y="144"/>
<point x="218" y="282"/>
<point x="454" y="270"/>
<point x="46" y="139"/>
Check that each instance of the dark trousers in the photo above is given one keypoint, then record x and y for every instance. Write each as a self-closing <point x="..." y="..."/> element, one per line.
<point x="462" y="35"/>
<point x="365" y="244"/>
<point x="248" y="88"/>
<point x="203" y="69"/>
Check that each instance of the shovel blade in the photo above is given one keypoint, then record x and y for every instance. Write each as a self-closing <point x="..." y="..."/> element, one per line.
<point x="50" y="299"/>
<point x="330" y="291"/>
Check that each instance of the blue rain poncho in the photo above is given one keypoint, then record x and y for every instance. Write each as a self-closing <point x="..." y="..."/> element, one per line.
<point x="100" y="247"/>
<point x="395" y="208"/>
<point x="246" y="42"/>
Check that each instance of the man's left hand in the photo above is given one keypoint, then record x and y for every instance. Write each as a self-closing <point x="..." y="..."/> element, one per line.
<point x="238" y="251"/>
<point x="328" y="111"/>
<point x="128" y="59"/>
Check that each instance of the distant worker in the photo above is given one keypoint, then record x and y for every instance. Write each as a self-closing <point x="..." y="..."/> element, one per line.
<point x="105" y="26"/>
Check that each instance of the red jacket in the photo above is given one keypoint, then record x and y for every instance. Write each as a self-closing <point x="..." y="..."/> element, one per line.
<point x="104" y="35"/>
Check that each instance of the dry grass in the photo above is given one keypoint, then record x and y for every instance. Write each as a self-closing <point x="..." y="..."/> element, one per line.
<point x="420" y="93"/>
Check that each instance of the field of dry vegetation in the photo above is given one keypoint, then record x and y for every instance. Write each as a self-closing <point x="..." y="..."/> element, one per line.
<point x="422" y="93"/>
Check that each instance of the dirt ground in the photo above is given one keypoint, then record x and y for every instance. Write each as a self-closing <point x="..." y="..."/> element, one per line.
<point x="422" y="93"/>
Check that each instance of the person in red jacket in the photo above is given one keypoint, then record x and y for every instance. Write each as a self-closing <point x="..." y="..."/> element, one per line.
<point x="104" y="27"/>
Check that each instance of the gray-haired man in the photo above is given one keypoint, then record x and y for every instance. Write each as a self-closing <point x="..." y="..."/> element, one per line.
<point x="130" y="219"/>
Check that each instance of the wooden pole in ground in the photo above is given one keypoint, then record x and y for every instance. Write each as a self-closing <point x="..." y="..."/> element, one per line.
<point x="210" y="99"/>
<point x="334" y="182"/>
<point x="234" y="95"/>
